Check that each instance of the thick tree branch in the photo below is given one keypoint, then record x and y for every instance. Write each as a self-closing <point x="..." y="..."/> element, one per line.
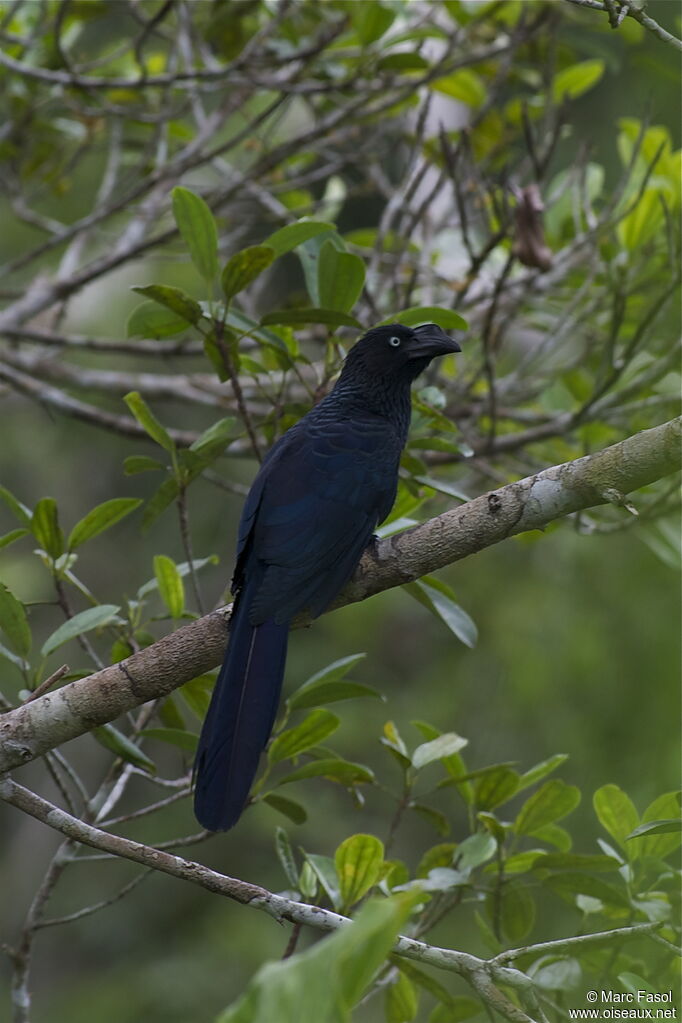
<point x="483" y="975"/>
<point x="530" y="503"/>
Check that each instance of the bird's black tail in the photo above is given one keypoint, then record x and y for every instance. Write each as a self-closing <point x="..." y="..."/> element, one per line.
<point x="240" y="717"/>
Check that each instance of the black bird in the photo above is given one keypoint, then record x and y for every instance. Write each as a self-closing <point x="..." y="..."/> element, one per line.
<point x="311" y="512"/>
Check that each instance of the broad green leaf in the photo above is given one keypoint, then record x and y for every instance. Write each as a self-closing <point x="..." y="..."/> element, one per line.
<point x="475" y="850"/>
<point x="457" y="1009"/>
<point x="550" y="803"/>
<point x="555" y="835"/>
<point x="295" y="317"/>
<point x="216" y="436"/>
<point x="116" y="742"/>
<point x="464" y="85"/>
<point x="332" y="692"/>
<point x="198" y="229"/>
<point x="309" y="254"/>
<point x="174" y="736"/>
<point x="326" y="981"/>
<point x="568" y="884"/>
<point x="285" y="855"/>
<point x="438" y="856"/>
<point x="328" y="675"/>
<point x="197" y="693"/>
<point x="575" y="861"/>
<point x="45" y="527"/>
<point x="172" y="298"/>
<point x="573" y="81"/>
<point x="516" y="910"/>
<point x="289" y="237"/>
<point x="616" y="812"/>
<point x="437" y="749"/>
<point x="148" y="421"/>
<point x="325" y="871"/>
<point x="155" y="321"/>
<point x="141" y="463"/>
<point x="556" y="973"/>
<point x="14" y="623"/>
<point x="496" y="787"/>
<point x="243" y="268"/>
<point x="418" y="314"/>
<point x="670" y="826"/>
<point x="183" y="568"/>
<point x="171" y="589"/>
<point x="642" y="222"/>
<point x="159" y="501"/>
<point x="358" y="861"/>
<point x="12" y="536"/>
<point x="438" y="597"/>
<point x="288" y="807"/>
<point x="334" y="769"/>
<point x="664" y="809"/>
<point x="400" y="1001"/>
<point x="341" y="276"/>
<point x="435" y="818"/>
<point x="440" y="993"/>
<point x="19" y="510"/>
<point x="541" y="770"/>
<point x="100" y="518"/>
<point x="317" y="725"/>
<point x="84" y="621"/>
<point x="18" y="662"/>
<point x="370" y="20"/>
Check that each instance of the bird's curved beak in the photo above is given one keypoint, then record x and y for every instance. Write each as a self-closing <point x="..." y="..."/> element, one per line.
<point x="432" y="341"/>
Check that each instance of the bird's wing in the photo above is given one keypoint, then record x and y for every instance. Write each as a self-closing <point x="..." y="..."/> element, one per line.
<point x="313" y="509"/>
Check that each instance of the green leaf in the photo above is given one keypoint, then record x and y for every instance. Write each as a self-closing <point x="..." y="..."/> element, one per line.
<point x="475" y="850"/>
<point x="285" y="855"/>
<point x="45" y="527"/>
<point x="341" y="276"/>
<point x="418" y="314"/>
<point x="289" y="237"/>
<point x="171" y="588"/>
<point x="334" y="769"/>
<point x="556" y="973"/>
<point x="141" y="463"/>
<point x="14" y="534"/>
<point x="317" y="725"/>
<point x="573" y="81"/>
<point x="444" y="746"/>
<point x="332" y="692"/>
<point x="84" y="621"/>
<point x="516" y="911"/>
<point x="370" y="20"/>
<point x="402" y="61"/>
<point x="174" y="736"/>
<point x="465" y="86"/>
<point x="574" y="861"/>
<point x="616" y="812"/>
<point x="102" y="517"/>
<point x="328" y="675"/>
<point x="197" y="694"/>
<point x="324" y="870"/>
<point x="297" y="317"/>
<point x="14" y="623"/>
<point x="19" y="510"/>
<point x="541" y="770"/>
<point x="118" y="743"/>
<point x="326" y="981"/>
<point x="358" y="861"/>
<point x="198" y="229"/>
<point x="568" y="884"/>
<point x="550" y="803"/>
<point x="435" y="818"/>
<point x="401" y="1003"/>
<point x="148" y="421"/>
<point x="659" y="842"/>
<point x="288" y="807"/>
<point x="152" y="320"/>
<point x="172" y="298"/>
<point x="438" y="597"/>
<point x="216" y="436"/>
<point x="496" y="787"/>
<point x="159" y="501"/>
<point x="642" y="222"/>
<point x="457" y="1009"/>
<point x="670" y="826"/>
<point x="243" y="268"/>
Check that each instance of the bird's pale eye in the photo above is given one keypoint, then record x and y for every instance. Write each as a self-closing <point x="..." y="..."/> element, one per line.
<point x="394" y="341"/>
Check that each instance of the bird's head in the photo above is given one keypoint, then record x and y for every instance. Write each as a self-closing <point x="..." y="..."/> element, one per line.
<point x="394" y="352"/>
